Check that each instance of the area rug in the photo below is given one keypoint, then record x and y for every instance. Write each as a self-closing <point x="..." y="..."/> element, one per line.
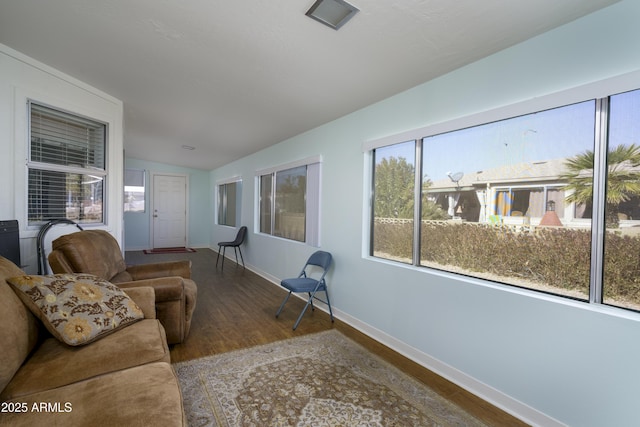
<point x="322" y="379"/>
<point x="168" y="251"/>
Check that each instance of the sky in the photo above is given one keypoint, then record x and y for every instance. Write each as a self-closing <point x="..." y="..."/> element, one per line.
<point x="552" y="134"/>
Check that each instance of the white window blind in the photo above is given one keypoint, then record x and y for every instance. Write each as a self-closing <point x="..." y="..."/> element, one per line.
<point x="65" y="139"/>
<point x="66" y="166"/>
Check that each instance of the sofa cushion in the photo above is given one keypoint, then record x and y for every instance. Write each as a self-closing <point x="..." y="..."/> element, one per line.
<point x="76" y="308"/>
<point x="140" y="396"/>
<point x="55" y="364"/>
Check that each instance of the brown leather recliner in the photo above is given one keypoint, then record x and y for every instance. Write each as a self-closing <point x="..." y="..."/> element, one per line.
<point x="97" y="252"/>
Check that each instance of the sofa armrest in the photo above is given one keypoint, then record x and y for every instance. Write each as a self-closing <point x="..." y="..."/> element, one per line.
<point x="165" y="288"/>
<point x="160" y="269"/>
<point x="59" y="263"/>
<point x="145" y="298"/>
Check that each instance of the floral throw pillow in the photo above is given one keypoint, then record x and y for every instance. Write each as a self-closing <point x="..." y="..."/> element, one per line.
<point x="76" y="308"/>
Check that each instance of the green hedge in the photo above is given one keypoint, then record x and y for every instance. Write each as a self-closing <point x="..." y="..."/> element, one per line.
<point x="622" y="267"/>
<point x="394" y="239"/>
<point x="557" y="257"/>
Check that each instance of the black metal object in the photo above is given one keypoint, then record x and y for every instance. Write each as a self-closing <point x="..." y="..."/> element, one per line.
<point x="42" y="257"/>
<point x="10" y="241"/>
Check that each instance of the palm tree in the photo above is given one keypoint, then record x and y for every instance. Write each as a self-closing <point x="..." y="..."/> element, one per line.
<point x="623" y="178"/>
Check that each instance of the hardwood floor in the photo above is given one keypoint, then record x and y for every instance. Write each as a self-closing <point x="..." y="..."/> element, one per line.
<point x="236" y="309"/>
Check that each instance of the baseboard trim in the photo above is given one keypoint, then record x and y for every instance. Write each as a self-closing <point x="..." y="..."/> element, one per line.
<point x="487" y="393"/>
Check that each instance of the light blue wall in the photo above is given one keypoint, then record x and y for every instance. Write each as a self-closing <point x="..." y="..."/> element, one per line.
<point x="137" y="225"/>
<point x="535" y="355"/>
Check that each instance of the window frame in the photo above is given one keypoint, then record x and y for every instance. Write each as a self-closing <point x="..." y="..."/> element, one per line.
<point x="82" y="170"/>
<point x="312" y="201"/>
<point x="599" y="92"/>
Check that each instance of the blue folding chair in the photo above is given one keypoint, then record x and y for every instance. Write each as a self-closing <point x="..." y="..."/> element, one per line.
<point x="306" y="283"/>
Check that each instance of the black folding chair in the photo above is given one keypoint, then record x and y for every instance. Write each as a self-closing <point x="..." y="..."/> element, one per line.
<point x="242" y="234"/>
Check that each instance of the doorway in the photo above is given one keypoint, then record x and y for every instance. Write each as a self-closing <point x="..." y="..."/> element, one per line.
<point x="169" y="210"/>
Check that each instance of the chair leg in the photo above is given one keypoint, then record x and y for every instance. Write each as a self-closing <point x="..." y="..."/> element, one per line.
<point x="309" y="302"/>
<point x="313" y="308"/>
<point x="283" y="303"/>
<point x="224" y="249"/>
<point x="329" y="304"/>
<point x="218" y="257"/>
<point x="240" y="250"/>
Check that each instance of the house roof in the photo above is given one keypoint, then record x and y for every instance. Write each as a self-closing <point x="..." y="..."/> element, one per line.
<point x="518" y="173"/>
<point x="230" y="78"/>
<point x="545" y="171"/>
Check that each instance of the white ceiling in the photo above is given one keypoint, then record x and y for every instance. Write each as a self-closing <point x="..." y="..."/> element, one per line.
<point x="230" y="78"/>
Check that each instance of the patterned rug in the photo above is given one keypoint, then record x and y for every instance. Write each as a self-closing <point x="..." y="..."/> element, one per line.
<point x="322" y="379"/>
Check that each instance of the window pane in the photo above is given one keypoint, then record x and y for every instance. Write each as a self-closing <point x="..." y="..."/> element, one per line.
<point x="500" y="200"/>
<point x="55" y="195"/>
<point x="134" y="188"/>
<point x="393" y="202"/>
<point x="227" y="204"/>
<point x="230" y="214"/>
<point x="133" y="199"/>
<point x="64" y="139"/>
<point x="290" y="207"/>
<point x="265" y="203"/>
<point x="621" y="284"/>
<point x="221" y="203"/>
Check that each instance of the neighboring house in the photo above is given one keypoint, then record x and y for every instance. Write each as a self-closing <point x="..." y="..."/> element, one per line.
<point x="518" y="194"/>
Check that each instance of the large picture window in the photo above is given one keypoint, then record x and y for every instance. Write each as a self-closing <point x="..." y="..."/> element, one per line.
<point x="289" y="205"/>
<point x="66" y="166"/>
<point x="513" y="201"/>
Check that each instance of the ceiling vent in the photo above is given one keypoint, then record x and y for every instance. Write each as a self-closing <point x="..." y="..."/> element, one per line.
<point x="332" y="13"/>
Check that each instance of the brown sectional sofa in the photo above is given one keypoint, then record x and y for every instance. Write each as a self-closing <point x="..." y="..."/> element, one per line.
<point x="124" y="378"/>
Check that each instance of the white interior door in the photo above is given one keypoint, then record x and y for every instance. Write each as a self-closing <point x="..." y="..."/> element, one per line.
<point x="169" y="211"/>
